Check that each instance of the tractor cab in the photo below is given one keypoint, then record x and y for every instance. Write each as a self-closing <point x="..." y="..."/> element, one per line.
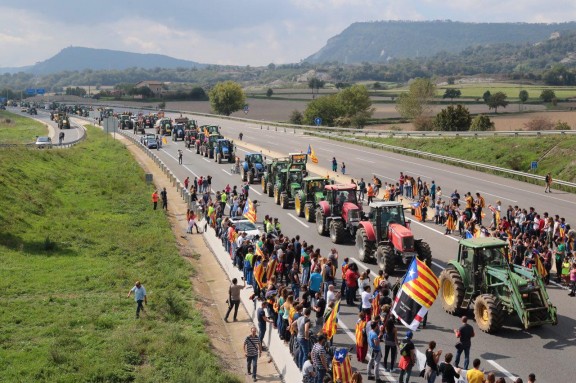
<point x="476" y="256"/>
<point x="342" y="198"/>
<point x="383" y="214"/>
<point x="253" y="158"/>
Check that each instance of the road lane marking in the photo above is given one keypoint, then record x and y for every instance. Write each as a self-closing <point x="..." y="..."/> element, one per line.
<point x="383" y="176"/>
<point x="205" y="159"/>
<point x="497" y="196"/>
<point x="326" y="150"/>
<point x="434" y="230"/>
<point x="190" y="170"/>
<point x="365" y="160"/>
<point x="502" y="369"/>
<point x="242" y="150"/>
<point x="254" y="190"/>
<point x="297" y="220"/>
<point x="226" y="172"/>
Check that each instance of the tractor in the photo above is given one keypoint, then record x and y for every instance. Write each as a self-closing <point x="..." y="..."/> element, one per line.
<point x="124" y="122"/>
<point x="288" y="181"/>
<point x="178" y="132"/>
<point x="386" y="238"/>
<point x="309" y="196"/>
<point x="224" y="151"/>
<point x="252" y="168"/>
<point x="340" y="213"/>
<point x="190" y="136"/>
<point x="63" y="121"/>
<point x="207" y="146"/>
<point x="484" y="278"/>
<point x="271" y="168"/>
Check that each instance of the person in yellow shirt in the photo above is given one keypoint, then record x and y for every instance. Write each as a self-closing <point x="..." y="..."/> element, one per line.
<point x="475" y="375"/>
<point x="379" y="278"/>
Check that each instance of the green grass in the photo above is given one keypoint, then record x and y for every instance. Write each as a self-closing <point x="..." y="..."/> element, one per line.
<point x="20" y="130"/>
<point x="555" y="154"/>
<point x="511" y="90"/>
<point x="76" y="231"/>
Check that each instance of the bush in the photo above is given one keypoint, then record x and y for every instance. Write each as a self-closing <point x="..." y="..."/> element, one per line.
<point x="562" y="125"/>
<point x="481" y="123"/>
<point x="423" y="123"/>
<point x="296" y="117"/>
<point x="539" y="123"/>
<point x="547" y="95"/>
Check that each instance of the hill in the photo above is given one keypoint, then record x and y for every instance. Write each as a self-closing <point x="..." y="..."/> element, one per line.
<point x="78" y="59"/>
<point x="378" y="42"/>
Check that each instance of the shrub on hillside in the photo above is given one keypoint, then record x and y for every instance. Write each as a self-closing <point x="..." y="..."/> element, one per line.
<point x="539" y="123"/>
<point x="423" y="123"/>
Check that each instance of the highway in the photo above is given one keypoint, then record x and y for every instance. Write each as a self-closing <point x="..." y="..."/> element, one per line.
<point x="512" y="352"/>
<point x="43" y="116"/>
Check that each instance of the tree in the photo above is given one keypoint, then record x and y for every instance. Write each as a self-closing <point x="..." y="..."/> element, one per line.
<point x="296" y="117"/>
<point x="415" y="102"/>
<point x="327" y="107"/>
<point x="453" y="118"/>
<point x="227" y="97"/>
<point x="486" y="96"/>
<point x="315" y="83"/>
<point x="547" y="95"/>
<point x="269" y="92"/>
<point x="481" y="123"/>
<point x="198" y="94"/>
<point x="523" y="96"/>
<point x="497" y="100"/>
<point x="452" y="93"/>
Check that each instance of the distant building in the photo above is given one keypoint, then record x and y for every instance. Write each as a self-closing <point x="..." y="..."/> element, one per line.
<point x="155" y="86"/>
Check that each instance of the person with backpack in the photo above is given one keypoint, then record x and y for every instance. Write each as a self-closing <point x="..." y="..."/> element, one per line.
<point x="407" y="358"/>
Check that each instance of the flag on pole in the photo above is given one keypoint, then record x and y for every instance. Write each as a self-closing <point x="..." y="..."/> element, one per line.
<point x="539" y="265"/>
<point x="271" y="268"/>
<point x="309" y="151"/>
<point x="259" y="250"/>
<point x="164" y="141"/>
<point x="259" y="274"/>
<point x="341" y="367"/>
<point x="417" y="210"/>
<point x="312" y="154"/>
<point x="419" y="290"/>
<point x="249" y="211"/>
<point x="330" y="326"/>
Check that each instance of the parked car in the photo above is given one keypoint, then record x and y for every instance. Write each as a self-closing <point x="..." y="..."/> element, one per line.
<point x="242" y="224"/>
<point x="144" y="139"/>
<point x="44" y="142"/>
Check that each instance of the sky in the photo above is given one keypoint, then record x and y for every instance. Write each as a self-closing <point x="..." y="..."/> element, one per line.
<point x="225" y="32"/>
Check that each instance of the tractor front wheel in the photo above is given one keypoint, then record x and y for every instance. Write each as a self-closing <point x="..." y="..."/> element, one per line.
<point x="364" y="246"/>
<point x="337" y="231"/>
<point x="276" y="195"/>
<point x="320" y="227"/>
<point x="309" y="212"/>
<point x="424" y="253"/>
<point x="284" y="200"/>
<point x="298" y="206"/>
<point x="263" y="182"/>
<point x="488" y="313"/>
<point x="452" y="290"/>
<point x="270" y="189"/>
<point x="385" y="259"/>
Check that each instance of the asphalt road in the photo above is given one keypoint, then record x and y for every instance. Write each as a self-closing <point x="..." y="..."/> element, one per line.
<point x="70" y="135"/>
<point x="513" y="352"/>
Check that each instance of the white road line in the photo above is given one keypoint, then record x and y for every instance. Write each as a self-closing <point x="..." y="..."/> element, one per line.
<point x="434" y="230"/>
<point x="190" y="170"/>
<point x="242" y="150"/>
<point x="205" y="159"/>
<point x="502" y="369"/>
<point x="326" y="150"/>
<point x="497" y="196"/>
<point x="297" y="220"/>
<point x="254" y="190"/>
<point x="383" y="176"/>
<point x="365" y="160"/>
<point x="226" y="172"/>
<point x="272" y="143"/>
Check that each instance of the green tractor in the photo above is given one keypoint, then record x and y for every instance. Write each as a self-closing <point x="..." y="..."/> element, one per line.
<point x="483" y="278"/>
<point x="271" y="168"/>
<point x="308" y="197"/>
<point x="288" y="180"/>
<point x="207" y="147"/>
<point x="63" y="121"/>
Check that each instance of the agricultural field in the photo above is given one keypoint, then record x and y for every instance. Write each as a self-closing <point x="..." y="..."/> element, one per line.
<point x="76" y="231"/>
<point x="15" y="129"/>
<point x="512" y="90"/>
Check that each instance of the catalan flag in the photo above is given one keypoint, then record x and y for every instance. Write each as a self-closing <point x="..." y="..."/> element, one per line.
<point x="271" y="268"/>
<point x="330" y="326"/>
<point x="539" y="265"/>
<point x="259" y="274"/>
<point x="312" y="154"/>
<point x="249" y="211"/>
<point x="259" y="250"/>
<point x="341" y="367"/>
<point x="419" y="290"/>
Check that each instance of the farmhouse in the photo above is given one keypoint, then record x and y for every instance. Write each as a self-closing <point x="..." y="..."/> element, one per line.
<point x="155" y="86"/>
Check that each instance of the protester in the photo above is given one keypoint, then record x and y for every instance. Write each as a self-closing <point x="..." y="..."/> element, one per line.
<point x="252" y="351"/>
<point x="139" y="296"/>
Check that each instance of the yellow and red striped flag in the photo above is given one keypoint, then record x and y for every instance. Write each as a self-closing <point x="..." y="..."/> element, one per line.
<point x="360" y="326"/>
<point x="331" y="326"/>
<point x="540" y="266"/>
<point x="421" y="284"/>
<point x="271" y="268"/>
<point x="259" y="250"/>
<point x="259" y="274"/>
<point x="249" y="211"/>
<point x="341" y="367"/>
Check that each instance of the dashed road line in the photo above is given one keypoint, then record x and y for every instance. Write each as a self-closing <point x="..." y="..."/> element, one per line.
<point x="297" y="220"/>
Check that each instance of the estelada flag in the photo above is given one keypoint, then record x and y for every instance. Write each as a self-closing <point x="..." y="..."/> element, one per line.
<point x="341" y="367"/>
<point x="271" y="268"/>
<point x="330" y="326"/>
<point x="259" y="250"/>
<point x="259" y="274"/>
<point x="312" y="154"/>
<point x="419" y="291"/>
<point x="249" y="211"/>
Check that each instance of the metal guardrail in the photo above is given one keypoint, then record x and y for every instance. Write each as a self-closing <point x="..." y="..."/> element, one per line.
<point x="528" y="177"/>
<point x="32" y="145"/>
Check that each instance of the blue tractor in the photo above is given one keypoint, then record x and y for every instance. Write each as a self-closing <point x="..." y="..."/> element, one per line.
<point x="252" y="168"/>
<point x="224" y="151"/>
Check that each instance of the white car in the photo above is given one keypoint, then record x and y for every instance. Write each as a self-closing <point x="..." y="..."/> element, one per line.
<point x="44" y="142"/>
<point x="242" y="224"/>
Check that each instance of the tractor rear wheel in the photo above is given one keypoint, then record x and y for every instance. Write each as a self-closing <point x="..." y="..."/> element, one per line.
<point x="270" y="189"/>
<point x="337" y="231"/>
<point x="276" y="195"/>
<point x="284" y="200"/>
<point x="320" y="227"/>
<point x="298" y="206"/>
<point x="364" y="246"/>
<point x="385" y="259"/>
<point x="452" y="290"/>
<point x="424" y="253"/>
<point x="263" y="182"/>
<point x="309" y="212"/>
<point x="488" y="313"/>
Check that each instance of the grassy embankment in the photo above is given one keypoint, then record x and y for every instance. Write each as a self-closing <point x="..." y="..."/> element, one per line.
<point x="76" y="231"/>
<point x="555" y="154"/>
<point x="15" y="129"/>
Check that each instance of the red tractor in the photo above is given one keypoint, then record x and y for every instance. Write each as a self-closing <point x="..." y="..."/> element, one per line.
<point x="340" y="213"/>
<point x="386" y="238"/>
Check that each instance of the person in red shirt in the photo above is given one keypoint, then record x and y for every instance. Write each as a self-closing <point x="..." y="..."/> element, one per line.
<point x="351" y="278"/>
<point x="155" y="197"/>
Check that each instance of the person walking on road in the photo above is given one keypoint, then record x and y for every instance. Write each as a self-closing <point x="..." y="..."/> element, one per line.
<point x="180" y="156"/>
<point x="139" y="296"/>
<point x="548" y="181"/>
<point x="334" y="164"/>
<point x="465" y="333"/>
<point x="343" y="167"/>
<point x="164" y="196"/>
<point x="370" y="193"/>
<point x="155" y="198"/>
<point x="234" y="298"/>
<point x="252" y="351"/>
<point x="61" y="138"/>
<point x="361" y="189"/>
